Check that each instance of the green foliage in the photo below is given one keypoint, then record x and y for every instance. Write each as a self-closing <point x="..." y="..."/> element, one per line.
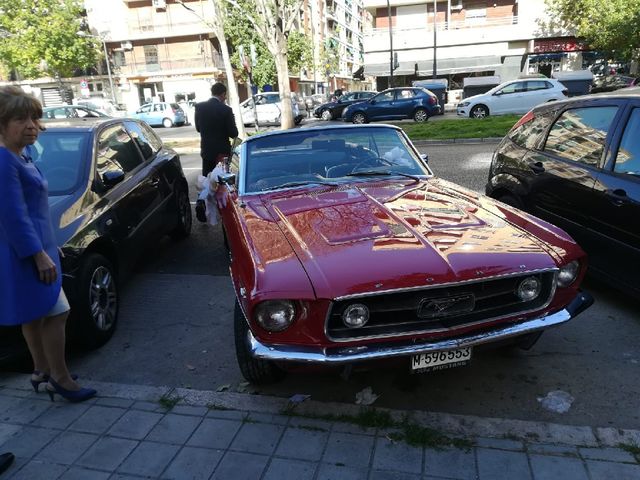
<point x="239" y="31"/>
<point x="609" y="25"/>
<point x="37" y="30"/>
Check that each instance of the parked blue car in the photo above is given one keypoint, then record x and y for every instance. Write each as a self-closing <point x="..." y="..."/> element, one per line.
<point x="394" y="104"/>
<point x="161" y="113"/>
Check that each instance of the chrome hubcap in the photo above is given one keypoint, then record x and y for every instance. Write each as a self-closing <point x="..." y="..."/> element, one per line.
<point x="421" y="116"/>
<point x="358" y="118"/>
<point x="103" y="299"/>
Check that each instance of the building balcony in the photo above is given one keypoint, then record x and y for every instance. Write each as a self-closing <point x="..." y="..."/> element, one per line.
<point x="142" y="31"/>
<point x="181" y="66"/>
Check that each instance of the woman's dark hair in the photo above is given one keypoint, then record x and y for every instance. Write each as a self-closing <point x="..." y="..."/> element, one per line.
<point x="16" y="103"/>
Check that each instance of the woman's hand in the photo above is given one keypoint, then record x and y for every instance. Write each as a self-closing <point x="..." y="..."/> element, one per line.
<point x="47" y="270"/>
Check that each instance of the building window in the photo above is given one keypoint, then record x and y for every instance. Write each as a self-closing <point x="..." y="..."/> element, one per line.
<point x="119" y="59"/>
<point x="151" y="54"/>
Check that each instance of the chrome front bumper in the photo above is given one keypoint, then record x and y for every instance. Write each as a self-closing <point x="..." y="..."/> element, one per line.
<point x="341" y="355"/>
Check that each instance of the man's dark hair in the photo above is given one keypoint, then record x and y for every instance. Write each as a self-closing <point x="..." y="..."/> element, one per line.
<point x="218" y="89"/>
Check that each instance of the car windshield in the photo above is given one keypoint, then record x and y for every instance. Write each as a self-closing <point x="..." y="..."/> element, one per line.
<point x="332" y="155"/>
<point x="60" y="158"/>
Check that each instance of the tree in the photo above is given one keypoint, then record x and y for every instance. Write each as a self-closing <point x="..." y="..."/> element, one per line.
<point x="608" y="25"/>
<point x="40" y="37"/>
<point x="272" y="21"/>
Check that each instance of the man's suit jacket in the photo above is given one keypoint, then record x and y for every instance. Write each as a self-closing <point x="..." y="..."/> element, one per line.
<point x="216" y="124"/>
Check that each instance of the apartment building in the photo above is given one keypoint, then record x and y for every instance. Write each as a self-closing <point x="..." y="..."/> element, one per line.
<point x="467" y="37"/>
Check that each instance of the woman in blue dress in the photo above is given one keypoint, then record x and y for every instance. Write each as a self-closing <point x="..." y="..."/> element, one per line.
<point x="31" y="292"/>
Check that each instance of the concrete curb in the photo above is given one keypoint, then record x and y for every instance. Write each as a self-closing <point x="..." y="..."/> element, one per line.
<point x="461" y="425"/>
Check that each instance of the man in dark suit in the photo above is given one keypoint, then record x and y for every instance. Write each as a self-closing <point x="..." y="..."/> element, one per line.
<point x="216" y="124"/>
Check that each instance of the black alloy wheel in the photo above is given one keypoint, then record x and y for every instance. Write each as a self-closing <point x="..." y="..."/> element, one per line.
<point x="185" y="217"/>
<point x="326" y="115"/>
<point x="479" y="111"/>
<point x="421" y="115"/>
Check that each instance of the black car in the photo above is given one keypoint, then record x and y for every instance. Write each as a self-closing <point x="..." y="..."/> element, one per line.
<point x="576" y="163"/>
<point x="113" y="189"/>
<point x="332" y="110"/>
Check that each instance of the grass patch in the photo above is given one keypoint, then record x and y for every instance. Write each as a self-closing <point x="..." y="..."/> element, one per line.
<point x="632" y="448"/>
<point x="168" y="402"/>
<point x="497" y="126"/>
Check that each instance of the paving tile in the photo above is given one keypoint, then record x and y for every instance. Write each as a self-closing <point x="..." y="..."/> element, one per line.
<point x="310" y="424"/>
<point x="149" y="459"/>
<point x="382" y="475"/>
<point x="280" y="469"/>
<point x="240" y="466"/>
<point x="257" y="438"/>
<point x="77" y="473"/>
<point x="214" y="433"/>
<point x="148" y="407"/>
<point x="343" y="427"/>
<point x="548" y="449"/>
<point x="193" y="464"/>
<point x="28" y="441"/>
<point x="268" y="418"/>
<point x="348" y="449"/>
<point x="107" y="453"/>
<point x="135" y="424"/>
<point x="189" y="410"/>
<point x="37" y="470"/>
<point x="397" y="456"/>
<point x="502" y="464"/>
<point x="501" y="443"/>
<point x="610" y="471"/>
<point x="341" y="472"/>
<point x="25" y="411"/>
<point x="8" y="431"/>
<point x="450" y="463"/>
<point x="174" y="429"/>
<point x="227" y="414"/>
<point x="545" y="467"/>
<point x="67" y="447"/>
<point x="61" y="415"/>
<point x="122" y="476"/>
<point x="98" y="419"/>
<point x="302" y="444"/>
<point x="114" y="402"/>
<point x="608" y="454"/>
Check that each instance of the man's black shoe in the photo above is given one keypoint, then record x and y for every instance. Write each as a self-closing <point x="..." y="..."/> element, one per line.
<point x="201" y="211"/>
<point x="6" y="459"/>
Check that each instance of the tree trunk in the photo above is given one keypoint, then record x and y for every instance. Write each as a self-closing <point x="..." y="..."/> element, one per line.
<point x="286" y="121"/>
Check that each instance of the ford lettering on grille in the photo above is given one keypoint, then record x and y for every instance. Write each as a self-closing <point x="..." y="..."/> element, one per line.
<point x="446" y="306"/>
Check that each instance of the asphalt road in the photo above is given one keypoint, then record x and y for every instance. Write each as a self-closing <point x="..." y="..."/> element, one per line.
<point x="176" y="329"/>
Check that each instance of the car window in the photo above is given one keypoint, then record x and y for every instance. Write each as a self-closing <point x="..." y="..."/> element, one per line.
<point x="406" y="93"/>
<point x="158" y="107"/>
<point x="537" y="85"/>
<point x="529" y="134"/>
<point x="60" y="158"/>
<point x="365" y="95"/>
<point x="385" y="96"/>
<point x="348" y="96"/>
<point x="116" y="151"/>
<point x="513" y="88"/>
<point x="628" y="158"/>
<point x="145" y="108"/>
<point x="579" y="134"/>
<point x="140" y="137"/>
<point x="151" y="137"/>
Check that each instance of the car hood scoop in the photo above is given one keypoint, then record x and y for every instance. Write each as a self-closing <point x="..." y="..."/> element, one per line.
<point x="399" y="234"/>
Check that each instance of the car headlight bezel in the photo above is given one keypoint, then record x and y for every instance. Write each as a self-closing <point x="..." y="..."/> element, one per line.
<point x="464" y="104"/>
<point x="567" y="274"/>
<point x="275" y="315"/>
<point x="529" y="289"/>
<point x="360" y="310"/>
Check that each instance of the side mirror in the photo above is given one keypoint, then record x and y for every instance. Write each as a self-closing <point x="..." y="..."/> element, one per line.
<point x="227" y="179"/>
<point x="111" y="178"/>
<point x="498" y="93"/>
<point x="425" y="157"/>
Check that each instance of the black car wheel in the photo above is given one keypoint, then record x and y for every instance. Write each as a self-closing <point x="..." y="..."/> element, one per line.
<point x="255" y="370"/>
<point x="185" y="218"/>
<point x="359" y="117"/>
<point x="95" y="315"/>
<point x="421" y="115"/>
<point x="326" y="115"/>
<point x="479" y="111"/>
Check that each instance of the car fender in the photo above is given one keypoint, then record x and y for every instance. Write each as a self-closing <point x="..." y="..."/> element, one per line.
<point x="505" y="183"/>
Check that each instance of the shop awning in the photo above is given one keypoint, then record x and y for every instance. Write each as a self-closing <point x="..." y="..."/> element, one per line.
<point x="382" y="69"/>
<point x="445" y="66"/>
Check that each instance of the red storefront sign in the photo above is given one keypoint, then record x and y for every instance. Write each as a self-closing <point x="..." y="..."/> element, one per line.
<point x="564" y="44"/>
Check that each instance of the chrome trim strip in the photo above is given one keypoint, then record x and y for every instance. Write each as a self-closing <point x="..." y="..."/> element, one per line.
<point x="336" y="356"/>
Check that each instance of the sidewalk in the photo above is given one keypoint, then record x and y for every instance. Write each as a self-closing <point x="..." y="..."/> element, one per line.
<point x="157" y="432"/>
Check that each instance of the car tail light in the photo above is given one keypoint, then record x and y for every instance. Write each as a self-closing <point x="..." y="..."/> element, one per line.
<point x="527" y="117"/>
<point x="433" y="100"/>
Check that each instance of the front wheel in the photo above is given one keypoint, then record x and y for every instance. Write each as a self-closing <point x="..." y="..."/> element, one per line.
<point x="420" y="115"/>
<point x="359" y="118"/>
<point x="479" y="111"/>
<point x="95" y="314"/>
<point x="254" y="370"/>
<point x="167" y="123"/>
<point x="326" y="115"/>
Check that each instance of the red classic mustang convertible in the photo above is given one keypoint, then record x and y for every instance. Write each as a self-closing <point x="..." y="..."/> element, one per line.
<point x="345" y="248"/>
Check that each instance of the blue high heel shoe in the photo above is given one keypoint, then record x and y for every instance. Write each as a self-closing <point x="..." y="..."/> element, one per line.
<point x="44" y="378"/>
<point x="73" y="396"/>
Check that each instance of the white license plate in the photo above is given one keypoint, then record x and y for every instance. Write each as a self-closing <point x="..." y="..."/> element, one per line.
<point x="427" y="362"/>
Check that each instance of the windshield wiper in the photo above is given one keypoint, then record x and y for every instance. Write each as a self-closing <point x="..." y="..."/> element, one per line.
<point x="372" y="173"/>
<point x="300" y="184"/>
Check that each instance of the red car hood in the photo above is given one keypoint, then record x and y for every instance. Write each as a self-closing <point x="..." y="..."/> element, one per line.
<point x="378" y="236"/>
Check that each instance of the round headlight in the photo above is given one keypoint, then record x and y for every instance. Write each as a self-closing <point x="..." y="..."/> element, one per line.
<point x="529" y="289"/>
<point x="275" y="315"/>
<point x="356" y="315"/>
<point x="568" y="273"/>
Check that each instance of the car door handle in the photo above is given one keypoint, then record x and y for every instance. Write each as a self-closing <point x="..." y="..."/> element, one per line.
<point x="617" y="197"/>
<point x="155" y="181"/>
<point x="537" y="167"/>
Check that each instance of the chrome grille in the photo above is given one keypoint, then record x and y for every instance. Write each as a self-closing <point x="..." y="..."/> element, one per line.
<point x="439" y="309"/>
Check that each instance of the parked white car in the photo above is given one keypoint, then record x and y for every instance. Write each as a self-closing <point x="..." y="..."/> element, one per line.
<point x="268" y="108"/>
<point x="516" y="96"/>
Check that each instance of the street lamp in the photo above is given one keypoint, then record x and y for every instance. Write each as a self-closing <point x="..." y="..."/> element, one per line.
<point x="84" y="34"/>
